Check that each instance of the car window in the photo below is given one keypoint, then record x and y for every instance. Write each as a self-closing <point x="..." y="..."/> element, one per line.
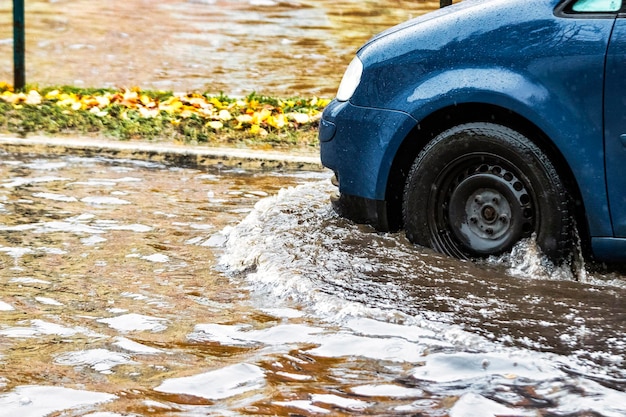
<point x="584" y="6"/>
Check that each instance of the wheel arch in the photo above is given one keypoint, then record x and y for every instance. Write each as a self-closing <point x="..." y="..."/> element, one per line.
<point x="446" y="118"/>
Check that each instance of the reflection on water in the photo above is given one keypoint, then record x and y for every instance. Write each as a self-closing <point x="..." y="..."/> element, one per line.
<point x="463" y="339"/>
<point x="133" y="289"/>
<point x="235" y="46"/>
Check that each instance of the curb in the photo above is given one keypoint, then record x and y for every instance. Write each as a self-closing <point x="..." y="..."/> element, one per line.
<point x="179" y="155"/>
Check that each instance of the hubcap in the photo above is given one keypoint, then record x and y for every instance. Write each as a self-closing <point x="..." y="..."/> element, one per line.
<point x="489" y="213"/>
<point x="488" y="210"/>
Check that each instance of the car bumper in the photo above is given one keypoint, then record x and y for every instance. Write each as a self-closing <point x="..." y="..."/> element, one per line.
<point x="363" y="210"/>
<point x="359" y="144"/>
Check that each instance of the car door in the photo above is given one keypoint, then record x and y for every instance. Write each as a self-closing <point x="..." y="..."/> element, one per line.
<point x="615" y="125"/>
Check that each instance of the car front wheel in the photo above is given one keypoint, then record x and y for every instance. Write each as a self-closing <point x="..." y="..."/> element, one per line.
<point x="479" y="188"/>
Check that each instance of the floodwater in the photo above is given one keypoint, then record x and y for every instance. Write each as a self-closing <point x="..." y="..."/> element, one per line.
<point x="286" y="48"/>
<point x="132" y="288"/>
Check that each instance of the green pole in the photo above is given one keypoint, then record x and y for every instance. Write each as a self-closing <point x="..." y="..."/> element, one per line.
<point x="19" y="68"/>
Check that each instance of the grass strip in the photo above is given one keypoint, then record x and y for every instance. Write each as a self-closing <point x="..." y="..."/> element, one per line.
<point x="254" y="121"/>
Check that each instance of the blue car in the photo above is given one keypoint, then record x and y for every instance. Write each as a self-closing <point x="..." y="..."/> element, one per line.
<point x="487" y="122"/>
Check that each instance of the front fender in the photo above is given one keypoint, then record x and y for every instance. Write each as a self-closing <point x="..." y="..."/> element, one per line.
<point x="570" y="118"/>
<point x="496" y="86"/>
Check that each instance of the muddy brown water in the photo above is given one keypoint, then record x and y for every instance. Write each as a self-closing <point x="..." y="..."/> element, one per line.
<point x="130" y="288"/>
<point x="133" y="288"/>
<point x="271" y="47"/>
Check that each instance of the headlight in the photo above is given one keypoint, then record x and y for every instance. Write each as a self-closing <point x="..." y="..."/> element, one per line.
<point x="351" y="79"/>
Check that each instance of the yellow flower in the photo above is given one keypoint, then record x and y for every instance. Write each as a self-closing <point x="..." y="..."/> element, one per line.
<point x="51" y="95"/>
<point x="260" y="117"/>
<point x="148" y="113"/>
<point x="214" y="101"/>
<point x="244" y="118"/>
<point x="171" y="106"/>
<point x="258" y="130"/>
<point x="196" y="101"/>
<point x="300" y="118"/>
<point x="10" y="97"/>
<point x="98" y="112"/>
<point x="224" y="115"/>
<point x="216" y="125"/>
<point x="147" y="101"/>
<point x="130" y="97"/>
<point x="67" y="100"/>
<point x="279" y="121"/>
<point x="323" y="102"/>
<point x="103" y="101"/>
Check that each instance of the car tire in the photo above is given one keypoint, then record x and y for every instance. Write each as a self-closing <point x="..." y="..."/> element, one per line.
<point x="479" y="188"/>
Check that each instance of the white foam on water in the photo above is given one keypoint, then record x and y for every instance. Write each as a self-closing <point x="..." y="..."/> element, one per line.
<point x="54" y="227"/>
<point x="215" y="241"/>
<point x="194" y="226"/>
<point x="21" y="181"/>
<point x="135" y="227"/>
<point x="218" y="384"/>
<point x="94" y="183"/>
<point x="386" y="390"/>
<point x="262" y="3"/>
<point x="596" y="398"/>
<point x="474" y="405"/>
<point x="6" y="306"/>
<point x="444" y="367"/>
<point x="41" y="401"/>
<point x="16" y="252"/>
<point x="41" y="327"/>
<point x="44" y="165"/>
<point x="295" y="377"/>
<point x="388" y="349"/>
<point x="285" y="313"/>
<point x="55" y="197"/>
<point x="92" y="240"/>
<point x="134" y="347"/>
<point x="303" y="405"/>
<point x="135" y="322"/>
<point x="281" y="255"/>
<point x="19" y="332"/>
<point x="108" y="201"/>
<point x="291" y="247"/>
<point x="100" y="360"/>
<point x="343" y="402"/>
<point x="370" y="327"/>
<point x="52" y="251"/>
<point x="48" y="301"/>
<point x="330" y="344"/>
<point x="241" y="335"/>
<point x="122" y="179"/>
<point x="28" y="281"/>
<point x="157" y="258"/>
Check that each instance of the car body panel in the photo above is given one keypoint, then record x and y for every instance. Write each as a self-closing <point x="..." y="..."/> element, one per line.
<point x="517" y="55"/>
<point x="615" y="126"/>
<point x="362" y="179"/>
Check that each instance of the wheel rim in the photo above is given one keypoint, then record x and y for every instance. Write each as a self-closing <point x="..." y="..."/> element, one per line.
<point x="482" y="205"/>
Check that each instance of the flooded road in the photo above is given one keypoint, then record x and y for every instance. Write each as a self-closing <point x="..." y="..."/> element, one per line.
<point x="286" y="48"/>
<point x="132" y="288"/>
